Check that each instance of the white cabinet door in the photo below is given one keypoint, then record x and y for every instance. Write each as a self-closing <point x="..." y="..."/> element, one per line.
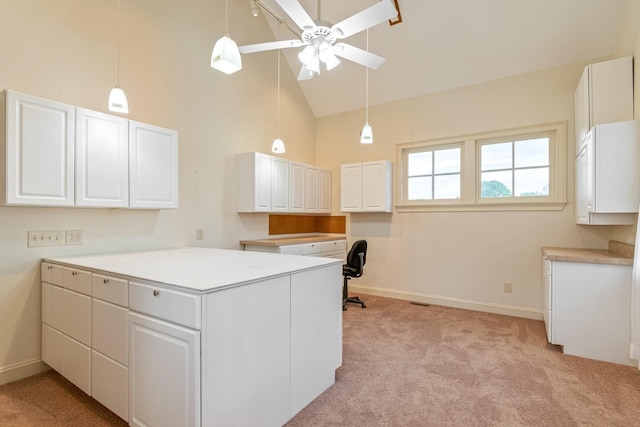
<point x="351" y="187"/>
<point x="164" y="374"/>
<point x="39" y="168"/>
<point x="280" y="185"/>
<point x="153" y="167"/>
<point x="324" y="191"/>
<point x="316" y="333"/>
<point x="297" y="187"/>
<point x="311" y="198"/>
<point x="253" y="182"/>
<point x="102" y="160"/>
<point x="376" y="186"/>
<point x="246" y="355"/>
<point x="583" y="184"/>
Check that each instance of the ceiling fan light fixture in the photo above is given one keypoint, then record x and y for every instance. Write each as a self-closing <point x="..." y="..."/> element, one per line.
<point x="314" y="65"/>
<point x="225" y="56"/>
<point x="278" y="146"/>
<point x="306" y="55"/>
<point x="366" y="136"/>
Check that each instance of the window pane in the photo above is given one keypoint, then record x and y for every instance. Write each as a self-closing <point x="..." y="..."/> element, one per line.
<point x="419" y="163"/>
<point x="447" y="187"/>
<point x="496" y="184"/>
<point x="419" y="188"/>
<point x="447" y="161"/>
<point x="532" y="182"/>
<point x="532" y="152"/>
<point x="496" y="156"/>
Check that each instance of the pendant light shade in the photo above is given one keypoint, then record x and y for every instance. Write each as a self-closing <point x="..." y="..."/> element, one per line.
<point x="366" y="136"/>
<point x="226" y="55"/>
<point x="117" y="99"/>
<point x="277" y="146"/>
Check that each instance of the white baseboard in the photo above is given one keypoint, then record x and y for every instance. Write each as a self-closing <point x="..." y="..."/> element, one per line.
<point x="22" y="370"/>
<point x="527" y="313"/>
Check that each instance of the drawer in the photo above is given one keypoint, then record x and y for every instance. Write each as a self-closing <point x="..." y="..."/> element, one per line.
<point x="76" y="316"/>
<point x="110" y="289"/>
<point x="174" y="306"/>
<point x="110" y="384"/>
<point x="77" y="280"/>
<point x="51" y="273"/>
<point x="109" y="331"/>
<point x="335" y="245"/>
<point x="76" y="363"/>
<point x="312" y="248"/>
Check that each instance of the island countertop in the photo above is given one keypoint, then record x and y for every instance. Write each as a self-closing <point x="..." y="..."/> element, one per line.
<point x="196" y="269"/>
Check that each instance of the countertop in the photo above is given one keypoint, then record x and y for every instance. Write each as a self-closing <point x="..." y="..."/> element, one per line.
<point x="291" y="240"/>
<point x="196" y="269"/>
<point x="618" y="254"/>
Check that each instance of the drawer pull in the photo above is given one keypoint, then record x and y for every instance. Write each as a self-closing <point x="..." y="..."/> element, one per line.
<point x="156" y="293"/>
<point x="105" y="281"/>
<point x="74" y="273"/>
<point x="49" y="267"/>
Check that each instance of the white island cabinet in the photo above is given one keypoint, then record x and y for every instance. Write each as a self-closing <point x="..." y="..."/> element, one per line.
<point x="223" y="337"/>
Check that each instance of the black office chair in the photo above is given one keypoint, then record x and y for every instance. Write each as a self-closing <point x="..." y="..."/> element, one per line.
<point x="356" y="259"/>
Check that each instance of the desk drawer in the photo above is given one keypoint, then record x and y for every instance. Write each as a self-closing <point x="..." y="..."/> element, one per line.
<point x="311" y="248"/>
<point x="110" y="289"/>
<point x="335" y="245"/>
<point x="51" y="273"/>
<point x="174" y="306"/>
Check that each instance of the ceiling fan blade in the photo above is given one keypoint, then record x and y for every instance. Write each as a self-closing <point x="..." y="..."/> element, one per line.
<point x="305" y="73"/>
<point x="295" y="10"/>
<point x="357" y="55"/>
<point x="370" y="17"/>
<point x="260" y="47"/>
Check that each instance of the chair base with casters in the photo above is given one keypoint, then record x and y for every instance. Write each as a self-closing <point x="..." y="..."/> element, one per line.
<point x="346" y="298"/>
<point x="354" y="267"/>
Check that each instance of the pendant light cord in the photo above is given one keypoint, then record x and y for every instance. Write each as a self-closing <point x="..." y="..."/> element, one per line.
<point x="278" y="128"/>
<point x="226" y="17"/>
<point x="366" y="114"/>
<point x="118" y="47"/>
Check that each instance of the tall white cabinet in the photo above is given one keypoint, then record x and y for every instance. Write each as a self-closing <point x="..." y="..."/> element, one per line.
<point x="366" y="187"/>
<point x="37" y="161"/>
<point x="60" y="155"/>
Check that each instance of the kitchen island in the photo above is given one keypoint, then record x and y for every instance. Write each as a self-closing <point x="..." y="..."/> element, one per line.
<point x="211" y="337"/>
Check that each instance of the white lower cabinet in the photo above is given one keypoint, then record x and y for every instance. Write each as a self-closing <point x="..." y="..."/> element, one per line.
<point x="586" y="309"/>
<point x="330" y="249"/>
<point x="164" y="376"/>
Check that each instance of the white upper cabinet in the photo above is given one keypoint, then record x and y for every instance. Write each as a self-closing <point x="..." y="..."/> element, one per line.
<point x="604" y="95"/>
<point x="607" y="175"/>
<point x="153" y="166"/>
<point x="267" y="183"/>
<point x="102" y="160"/>
<point x="38" y="140"/>
<point x="366" y="187"/>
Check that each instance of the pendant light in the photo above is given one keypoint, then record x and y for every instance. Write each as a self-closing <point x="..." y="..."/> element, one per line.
<point x="278" y="145"/>
<point x="117" y="99"/>
<point x="366" y="136"/>
<point x="226" y="55"/>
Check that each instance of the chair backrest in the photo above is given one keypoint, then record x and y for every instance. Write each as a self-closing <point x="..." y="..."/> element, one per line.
<point x="353" y="257"/>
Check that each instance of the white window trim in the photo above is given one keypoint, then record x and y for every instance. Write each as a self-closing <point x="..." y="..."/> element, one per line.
<point x="470" y="186"/>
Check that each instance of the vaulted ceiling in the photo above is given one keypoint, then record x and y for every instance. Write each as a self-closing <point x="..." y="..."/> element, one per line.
<point x="446" y="44"/>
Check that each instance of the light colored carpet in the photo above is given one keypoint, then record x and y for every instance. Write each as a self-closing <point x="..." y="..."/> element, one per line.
<point x="409" y="365"/>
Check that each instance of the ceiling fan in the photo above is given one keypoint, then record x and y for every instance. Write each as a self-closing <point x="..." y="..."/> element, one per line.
<point x="319" y="38"/>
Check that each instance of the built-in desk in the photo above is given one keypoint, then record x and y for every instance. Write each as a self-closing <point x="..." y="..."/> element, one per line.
<point x="324" y="246"/>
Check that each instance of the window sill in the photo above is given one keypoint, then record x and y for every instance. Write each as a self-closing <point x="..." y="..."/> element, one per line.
<point x="481" y="207"/>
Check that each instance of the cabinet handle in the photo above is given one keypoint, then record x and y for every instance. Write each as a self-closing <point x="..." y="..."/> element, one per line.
<point x="156" y="293"/>
<point x="49" y="267"/>
<point x="74" y="273"/>
<point x="105" y="281"/>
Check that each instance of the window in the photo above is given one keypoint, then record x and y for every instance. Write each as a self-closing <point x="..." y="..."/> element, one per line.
<point x="522" y="169"/>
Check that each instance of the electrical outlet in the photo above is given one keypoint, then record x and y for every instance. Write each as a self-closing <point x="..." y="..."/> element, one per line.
<point x="199" y="233"/>
<point x="74" y="237"/>
<point x="45" y="238"/>
<point x="508" y="286"/>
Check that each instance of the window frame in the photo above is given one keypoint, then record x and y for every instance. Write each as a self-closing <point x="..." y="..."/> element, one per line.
<point x="470" y="174"/>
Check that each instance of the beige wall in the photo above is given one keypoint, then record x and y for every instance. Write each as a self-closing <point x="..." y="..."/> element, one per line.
<point x="463" y="258"/>
<point x="65" y="50"/>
